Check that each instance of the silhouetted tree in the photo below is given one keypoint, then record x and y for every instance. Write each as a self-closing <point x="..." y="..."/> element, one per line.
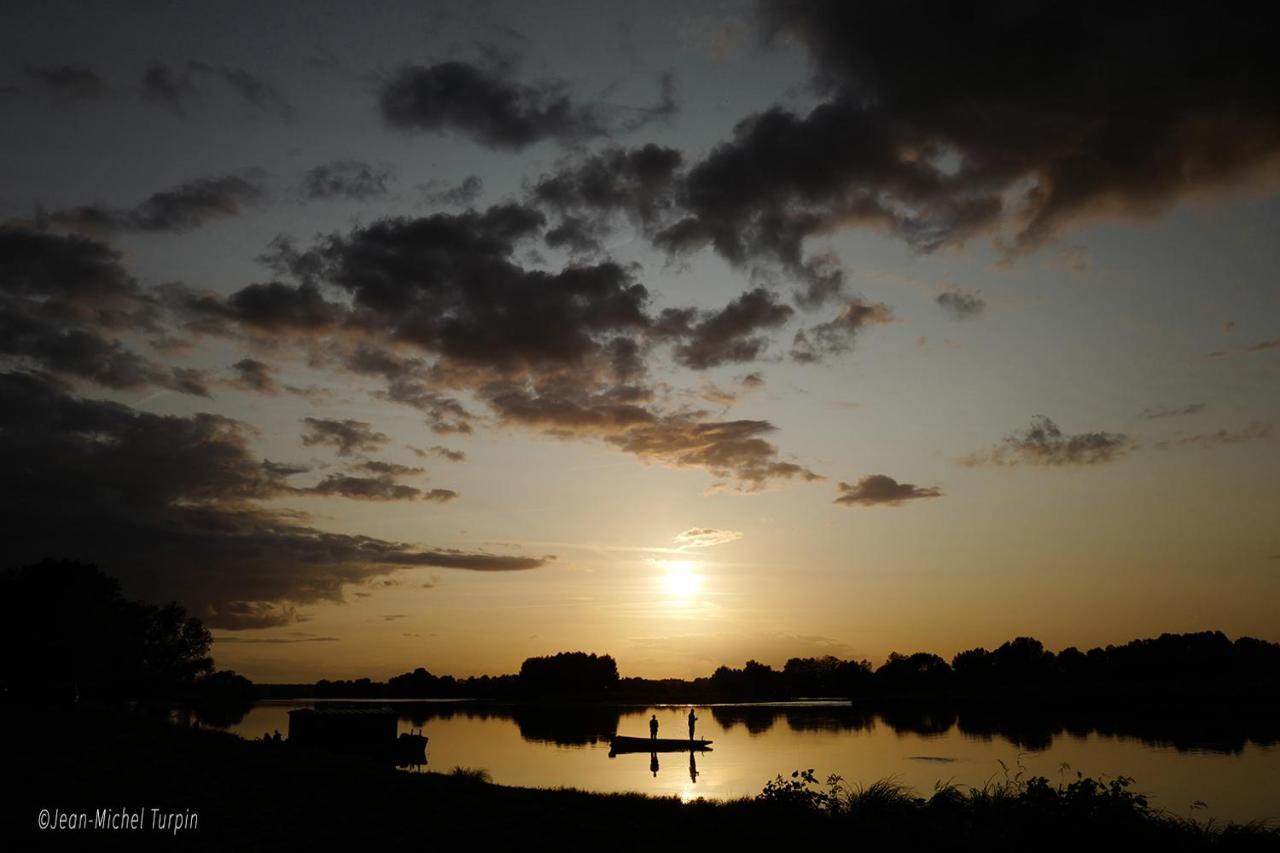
<point x="221" y="698"/>
<point x="570" y="674"/>
<point x="918" y="672"/>
<point x="66" y="632"/>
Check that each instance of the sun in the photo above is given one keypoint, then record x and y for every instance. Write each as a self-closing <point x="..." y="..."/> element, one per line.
<point x="680" y="579"/>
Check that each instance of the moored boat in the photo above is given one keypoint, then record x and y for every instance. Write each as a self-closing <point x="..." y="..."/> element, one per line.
<point x="621" y="743"/>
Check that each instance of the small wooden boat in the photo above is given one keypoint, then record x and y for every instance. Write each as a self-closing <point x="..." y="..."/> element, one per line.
<point x="619" y="744"/>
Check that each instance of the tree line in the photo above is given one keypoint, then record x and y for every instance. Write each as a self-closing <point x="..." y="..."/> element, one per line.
<point x="68" y="635"/>
<point x="1207" y="662"/>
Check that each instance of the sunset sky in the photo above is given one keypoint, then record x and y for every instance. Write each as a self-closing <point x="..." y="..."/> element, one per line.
<point x="444" y="335"/>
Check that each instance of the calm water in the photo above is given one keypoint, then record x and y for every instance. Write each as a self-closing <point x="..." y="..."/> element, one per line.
<point x="1231" y="764"/>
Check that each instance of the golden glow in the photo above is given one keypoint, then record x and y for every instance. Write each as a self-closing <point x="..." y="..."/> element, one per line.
<point x="680" y="579"/>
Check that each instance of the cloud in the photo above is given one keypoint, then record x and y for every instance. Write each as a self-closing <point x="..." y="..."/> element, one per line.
<point x="442" y="452"/>
<point x="274" y="640"/>
<point x="882" y="490"/>
<point x="176" y="211"/>
<point x="1028" y="121"/>
<point x="346" y="179"/>
<point x="346" y="435"/>
<point x="709" y="339"/>
<point x="464" y="194"/>
<point x="728" y="449"/>
<point x="490" y="107"/>
<point x="71" y="82"/>
<point x="837" y="335"/>
<point x="1265" y="346"/>
<point x="704" y="537"/>
<point x="175" y="88"/>
<point x="485" y="104"/>
<point x="638" y="182"/>
<point x="138" y="488"/>
<point x="383" y="488"/>
<point x="251" y="88"/>
<point x="1161" y="412"/>
<point x="437" y="306"/>
<point x="961" y="304"/>
<point x="1043" y="443"/>
<point x="388" y="469"/>
<point x="64" y="300"/>
<point x="256" y="376"/>
<point x="1257" y="431"/>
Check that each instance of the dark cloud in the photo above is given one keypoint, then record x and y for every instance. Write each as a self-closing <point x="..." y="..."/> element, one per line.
<point x="168" y="89"/>
<point x="882" y="490"/>
<point x="488" y="105"/>
<point x="265" y="307"/>
<point x="64" y="300"/>
<point x="137" y="488"/>
<point x="463" y="194"/>
<point x="72" y="82"/>
<point x="174" y="88"/>
<point x="838" y="334"/>
<point x="1265" y="346"/>
<point x="961" y="304"/>
<point x="438" y="305"/>
<point x="636" y="181"/>
<point x="1257" y="431"/>
<point x="1043" y="443"/>
<point x="485" y="104"/>
<point x="442" y="452"/>
<point x="728" y="449"/>
<point x="381" y="488"/>
<point x="1037" y="103"/>
<point x="346" y="179"/>
<point x="174" y="211"/>
<point x="256" y="376"/>
<point x="347" y="435"/>
<point x="273" y="640"/>
<point x="388" y="469"/>
<point x="1161" y="412"/>
<point x="251" y="88"/>
<point x="732" y="334"/>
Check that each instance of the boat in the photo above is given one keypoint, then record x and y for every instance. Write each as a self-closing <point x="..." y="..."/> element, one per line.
<point x="619" y="744"/>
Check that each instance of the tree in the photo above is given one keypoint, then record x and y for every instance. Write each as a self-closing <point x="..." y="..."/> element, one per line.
<point x="66" y="632"/>
<point x="569" y="673"/>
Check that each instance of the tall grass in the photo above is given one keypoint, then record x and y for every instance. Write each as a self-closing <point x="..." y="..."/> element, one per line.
<point x="1011" y="807"/>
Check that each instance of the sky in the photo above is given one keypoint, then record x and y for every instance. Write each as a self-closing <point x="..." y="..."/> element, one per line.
<point x="444" y="335"/>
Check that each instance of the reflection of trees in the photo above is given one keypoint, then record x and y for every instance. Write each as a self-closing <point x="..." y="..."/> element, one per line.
<point x="564" y="725"/>
<point x="1211" y="728"/>
<point x="757" y="720"/>
<point x="567" y="725"/>
<point x="919" y="719"/>
<point x="1025" y="726"/>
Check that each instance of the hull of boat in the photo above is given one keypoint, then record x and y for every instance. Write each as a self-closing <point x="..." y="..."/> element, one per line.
<point x="643" y="744"/>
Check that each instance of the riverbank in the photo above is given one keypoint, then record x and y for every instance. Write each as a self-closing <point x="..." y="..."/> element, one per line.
<point x="252" y="796"/>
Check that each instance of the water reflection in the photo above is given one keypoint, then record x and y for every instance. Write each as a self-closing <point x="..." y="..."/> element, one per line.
<point x="1030" y="729"/>
<point x="1227" y="758"/>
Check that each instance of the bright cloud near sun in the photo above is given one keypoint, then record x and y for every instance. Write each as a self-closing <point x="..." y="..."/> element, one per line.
<point x="704" y="537"/>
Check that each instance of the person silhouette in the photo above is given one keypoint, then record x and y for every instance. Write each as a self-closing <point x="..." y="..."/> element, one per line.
<point x="653" y="764"/>
<point x="653" y="727"/>
<point x="693" y="767"/>
<point x="692" y="720"/>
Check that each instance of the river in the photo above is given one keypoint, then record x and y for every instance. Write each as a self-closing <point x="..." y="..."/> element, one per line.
<point x="1195" y="765"/>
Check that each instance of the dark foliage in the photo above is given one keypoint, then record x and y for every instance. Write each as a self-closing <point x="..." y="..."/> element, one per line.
<point x="66" y="634"/>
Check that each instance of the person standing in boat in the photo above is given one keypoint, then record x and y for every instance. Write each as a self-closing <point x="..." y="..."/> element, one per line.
<point x="692" y="720"/>
<point x="653" y="727"/>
